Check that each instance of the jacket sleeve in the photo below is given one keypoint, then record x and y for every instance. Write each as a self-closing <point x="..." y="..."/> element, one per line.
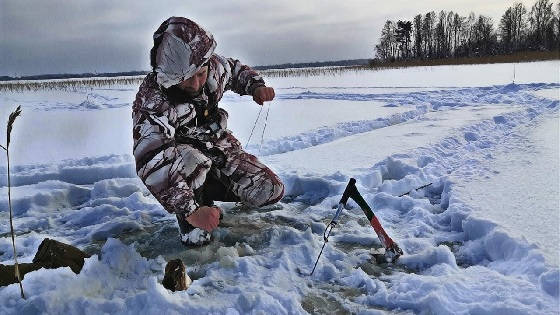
<point x="159" y="163"/>
<point x="243" y="80"/>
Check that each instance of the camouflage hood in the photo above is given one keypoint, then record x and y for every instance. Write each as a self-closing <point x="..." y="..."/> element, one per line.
<point x="181" y="48"/>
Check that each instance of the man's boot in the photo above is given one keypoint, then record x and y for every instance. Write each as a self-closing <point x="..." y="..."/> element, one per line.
<point x="190" y="235"/>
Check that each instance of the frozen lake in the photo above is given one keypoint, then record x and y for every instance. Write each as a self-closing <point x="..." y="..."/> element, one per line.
<point x="482" y="238"/>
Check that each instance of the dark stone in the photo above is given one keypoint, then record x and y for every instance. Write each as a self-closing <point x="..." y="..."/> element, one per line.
<point x="175" y="278"/>
<point x="53" y="254"/>
<point x="8" y="272"/>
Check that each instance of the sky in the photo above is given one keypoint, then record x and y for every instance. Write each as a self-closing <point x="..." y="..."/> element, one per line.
<point x="58" y="36"/>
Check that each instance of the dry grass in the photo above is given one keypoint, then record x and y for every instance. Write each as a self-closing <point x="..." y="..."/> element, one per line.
<point x="68" y="84"/>
<point x="15" y="114"/>
<point x="309" y="72"/>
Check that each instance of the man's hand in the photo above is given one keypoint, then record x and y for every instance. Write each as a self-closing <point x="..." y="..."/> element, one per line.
<point x="263" y="94"/>
<point x="206" y="218"/>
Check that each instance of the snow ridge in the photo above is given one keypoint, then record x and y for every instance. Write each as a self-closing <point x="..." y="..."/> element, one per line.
<point x="80" y="171"/>
<point x="330" y="133"/>
<point x="430" y="100"/>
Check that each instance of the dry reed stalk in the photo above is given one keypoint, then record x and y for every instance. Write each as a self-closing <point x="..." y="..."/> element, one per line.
<point x="11" y="121"/>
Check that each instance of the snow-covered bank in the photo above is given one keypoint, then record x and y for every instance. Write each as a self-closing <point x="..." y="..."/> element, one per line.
<point x="457" y="261"/>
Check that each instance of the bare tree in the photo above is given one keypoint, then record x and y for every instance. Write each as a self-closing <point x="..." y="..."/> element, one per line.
<point x="512" y="27"/>
<point x="556" y="27"/>
<point x="440" y="35"/>
<point x="507" y="30"/>
<point x="457" y="28"/>
<point x="468" y="32"/>
<point x="387" y="47"/>
<point x="428" y="32"/>
<point x="418" y="38"/>
<point x="485" y="37"/>
<point x="449" y="32"/>
<point x="519" y="15"/>
<point x="403" y="34"/>
<point x="541" y="19"/>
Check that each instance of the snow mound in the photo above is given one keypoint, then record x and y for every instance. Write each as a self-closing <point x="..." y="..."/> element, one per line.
<point x="429" y="258"/>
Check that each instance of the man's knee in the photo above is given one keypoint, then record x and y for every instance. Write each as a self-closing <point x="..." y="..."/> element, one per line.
<point x="270" y="190"/>
<point x="277" y="193"/>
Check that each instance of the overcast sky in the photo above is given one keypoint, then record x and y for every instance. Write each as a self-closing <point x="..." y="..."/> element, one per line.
<point x="59" y="36"/>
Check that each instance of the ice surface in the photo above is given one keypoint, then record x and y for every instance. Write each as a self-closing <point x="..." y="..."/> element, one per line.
<point x="483" y="143"/>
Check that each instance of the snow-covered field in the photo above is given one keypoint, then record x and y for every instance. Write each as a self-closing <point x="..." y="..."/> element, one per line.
<point x="482" y="239"/>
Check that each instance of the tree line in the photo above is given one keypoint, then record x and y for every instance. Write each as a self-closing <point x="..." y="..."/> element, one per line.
<point x="448" y="34"/>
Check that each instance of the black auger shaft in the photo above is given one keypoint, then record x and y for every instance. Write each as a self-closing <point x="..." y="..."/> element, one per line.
<point x="351" y="191"/>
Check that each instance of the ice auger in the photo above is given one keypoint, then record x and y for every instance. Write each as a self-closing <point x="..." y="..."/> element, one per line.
<point x="392" y="250"/>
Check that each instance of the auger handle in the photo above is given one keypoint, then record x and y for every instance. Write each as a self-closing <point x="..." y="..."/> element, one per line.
<point x="349" y="191"/>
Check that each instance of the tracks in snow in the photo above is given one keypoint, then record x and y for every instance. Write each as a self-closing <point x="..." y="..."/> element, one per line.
<point x="424" y="101"/>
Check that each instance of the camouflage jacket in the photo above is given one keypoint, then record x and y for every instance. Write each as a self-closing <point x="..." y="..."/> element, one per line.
<point x="162" y="126"/>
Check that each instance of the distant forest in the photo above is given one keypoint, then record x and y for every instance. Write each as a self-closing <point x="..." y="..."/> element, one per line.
<point x="450" y="35"/>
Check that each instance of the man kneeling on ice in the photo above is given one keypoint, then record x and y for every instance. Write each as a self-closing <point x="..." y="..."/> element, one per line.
<point x="185" y="155"/>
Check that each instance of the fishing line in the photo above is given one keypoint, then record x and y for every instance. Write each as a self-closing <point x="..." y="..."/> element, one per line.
<point x="264" y="128"/>
<point x="256" y="120"/>
<point x="251" y="134"/>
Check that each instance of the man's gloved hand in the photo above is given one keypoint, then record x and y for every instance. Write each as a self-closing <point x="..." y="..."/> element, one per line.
<point x="206" y="218"/>
<point x="263" y="94"/>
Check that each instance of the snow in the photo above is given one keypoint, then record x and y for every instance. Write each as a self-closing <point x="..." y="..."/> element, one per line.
<point x="531" y="194"/>
<point x="482" y="238"/>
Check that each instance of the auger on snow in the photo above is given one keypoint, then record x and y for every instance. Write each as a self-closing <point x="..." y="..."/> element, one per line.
<point x="392" y="250"/>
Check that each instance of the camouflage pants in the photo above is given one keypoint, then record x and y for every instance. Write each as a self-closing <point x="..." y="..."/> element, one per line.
<point x="227" y="173"/>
